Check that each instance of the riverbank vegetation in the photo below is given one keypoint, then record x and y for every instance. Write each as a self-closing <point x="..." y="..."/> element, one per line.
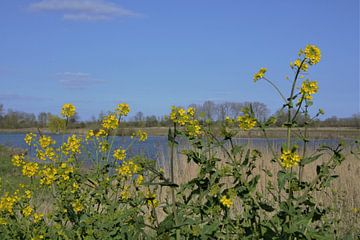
<point x="212" y="189"/>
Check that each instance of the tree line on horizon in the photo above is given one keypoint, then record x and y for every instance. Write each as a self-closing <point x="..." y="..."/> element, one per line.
<point x="217" y="112"/>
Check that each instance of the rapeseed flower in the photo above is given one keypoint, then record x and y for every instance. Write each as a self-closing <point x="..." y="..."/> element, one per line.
<point x="29" y="169"/>
<point x="246" y="122"/>
<point x="260" y="74"/>
<point x="309" y="88"/>
<point x="123" y="109"/>
<point x="77" y="206"/>
<point x="289" y="158"/>
<point x="313" y="54"/>
<point x="27" y="211"/>
<point x="110" y="122"/>
<point x="119" y="154"/>
<point x="18" y="160"/>
<point x="68" y="110"/>
<point x="29" y="138"/>
<point x="225" y="201"/>
<point x="46" y="141"/>
<point x="37" y="217"/>
<point x="72" y="145"/>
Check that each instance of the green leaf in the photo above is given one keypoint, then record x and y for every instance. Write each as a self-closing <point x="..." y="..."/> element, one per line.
<point x="311" y="159"/>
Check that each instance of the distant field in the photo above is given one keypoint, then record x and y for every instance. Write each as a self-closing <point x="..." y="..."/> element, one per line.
<point x="314" y="133"/>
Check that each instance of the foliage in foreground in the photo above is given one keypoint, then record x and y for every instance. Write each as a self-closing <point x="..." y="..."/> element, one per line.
<point x="117" y="197"/>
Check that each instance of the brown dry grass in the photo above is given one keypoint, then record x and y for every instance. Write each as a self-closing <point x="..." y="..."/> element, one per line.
<point x="343" y="196"/>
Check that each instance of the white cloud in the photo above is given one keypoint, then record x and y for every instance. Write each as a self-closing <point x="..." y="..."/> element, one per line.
<point x="84" y="9"/>
<point x="77" y="80"/>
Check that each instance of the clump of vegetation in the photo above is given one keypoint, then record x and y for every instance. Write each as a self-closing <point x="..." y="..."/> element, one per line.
<point x="118" y="197"/>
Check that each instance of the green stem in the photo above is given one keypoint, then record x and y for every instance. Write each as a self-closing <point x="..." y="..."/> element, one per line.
<point x="172" y="180"/>
<point x="276" y="88"/>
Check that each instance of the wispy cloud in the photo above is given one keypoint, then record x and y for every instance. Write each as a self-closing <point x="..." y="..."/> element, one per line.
<point x="18" y="97"/>
<point x="91" y="10"/>
<point x="77" y="80"/>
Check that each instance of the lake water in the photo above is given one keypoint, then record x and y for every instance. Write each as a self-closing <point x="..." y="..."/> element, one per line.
<point x="156" y="147"/>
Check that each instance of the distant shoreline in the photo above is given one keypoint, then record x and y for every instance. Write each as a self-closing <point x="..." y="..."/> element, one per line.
<point x="314" y="133"/>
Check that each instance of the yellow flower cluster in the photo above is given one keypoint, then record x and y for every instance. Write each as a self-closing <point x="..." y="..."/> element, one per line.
<point x="110" y="122"/>
<point x="186" y="118"/>
<point x="29" y="138"/>
<point x="297" y="63"/>
<point x="29" y="169"/>
<point x="48" y="176"/>
<point x="68" y="110"/>
<point x="128" y="169"/>
<point x="77" y="206"/>
<point x="142" y="135"/>
<point x="37" y="217"/>
<point x="119" y="154"/>
<point x="225" y="201"/>
<point x="65" y="171"/>
<point x="27" y="211"/>
<point x="18" y="160"/>
<point x="122" y="109"/>
<point x="125" y="193"/>
<point x="260" y="74"/>
<point x="246" y="122"/>
<point x="72" y="145"/>
<point x="139" y="180"/>
<point x="289" y="159"/>
<point x="89" y="135"/>
<point x="46" y="141"/>
<point x="313" y="54"/>
<point x="308" y="88"/>
<point x="104" y="146"/>
<point x="101" y="133"/>
<point x="7" y="202"/>
<point x="151" y="199"/>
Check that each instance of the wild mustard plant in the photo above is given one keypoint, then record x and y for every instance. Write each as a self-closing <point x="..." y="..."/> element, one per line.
<point x="117" y="196"/>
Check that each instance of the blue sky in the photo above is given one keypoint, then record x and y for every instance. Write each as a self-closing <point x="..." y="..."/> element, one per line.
<point x="154" y="54"/>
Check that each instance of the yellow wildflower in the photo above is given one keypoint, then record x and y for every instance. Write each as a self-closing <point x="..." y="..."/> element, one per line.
<point x="110" y="122"/>
<point x="151" y="199"/>
<point x="37" y="217"/>
<point x="120" y="154"/>
<point x="104" y="146"/>
<point x="75" y="187"/>
<point x="289" y="159"/>
<point x="3" y="221"/>
<point x="297" y="64"/>
<point x="260" y="74"/>
<point x="68" y="110"/>
<point x="123" y="109"/>
<point x="101" y="133"/>
<point x="48" y="176"/>
<point x="72" y="145"/>
<point x="128" y="169"/>
<point x="246" y="122"/>
<point x="29" y="169"/>
<point x="225" y="201"/>
<point x="77" y="206"/>
<point x="139" y="180"/>
<point x="308" y="88"/>
<point x="27" y="211"/>
<point x="89" y="134"/>
<point x="17" y="160"/>
<point x="312" y="52"/>
<point x="7" y="202"/>
<point x="28" y="194"/>
<point x="46" y="141"/>
<point x="142" y="135"/>
<point x="29" y="138"/>
<point x="125" y="193"/>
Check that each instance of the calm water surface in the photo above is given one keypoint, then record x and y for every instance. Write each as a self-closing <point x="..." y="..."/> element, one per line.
<point x="156" y="146"/>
